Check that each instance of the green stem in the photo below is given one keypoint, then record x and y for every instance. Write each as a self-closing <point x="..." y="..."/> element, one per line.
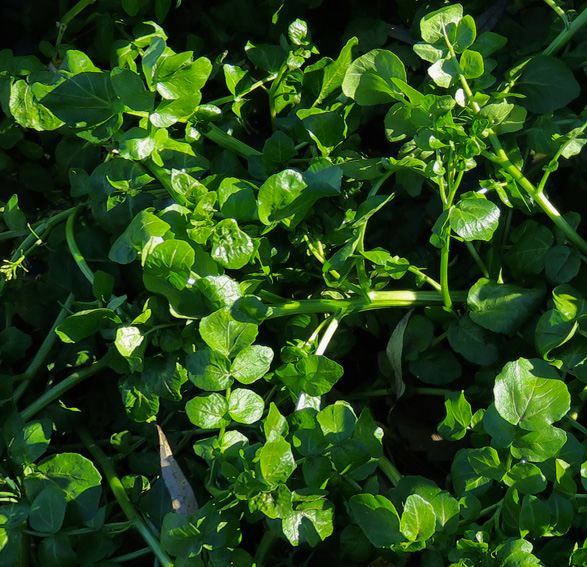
<point x="131" y="556"/>
<point x="163" y="177"/>
<point x="123" y="499"/>
<point x="75" y="10"/>
<point x="34" y="239"/>
<point x="389" y="470"/>
<point x="502" y="159"/>
<point x="557" y="156"/>
<point x="425" y="277"/>
<point x="558" y="11"/>
<point x="576" y="425"/>
<point x="444" y="261"/>
<point x="565" y="36"/>
<point x="74" y="249"/>
<point x="59" y="389"/>
<point x="473" y="251"/>
<point x="375" y="300"/>
<point x="272" y="90"/>
<point x="43" y="351"/>
<point x="224" y="140"/>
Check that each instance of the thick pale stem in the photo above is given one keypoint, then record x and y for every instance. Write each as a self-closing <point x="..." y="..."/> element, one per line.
<point x="375" y="300"/>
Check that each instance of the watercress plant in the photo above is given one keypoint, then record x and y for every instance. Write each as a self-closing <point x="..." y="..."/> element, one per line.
<point x="350" y="289"/>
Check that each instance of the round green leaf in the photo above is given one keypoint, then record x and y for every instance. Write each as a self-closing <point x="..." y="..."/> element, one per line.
<point x="530" y="394"/>
<point x="244" y="406"/>
<point x="369" y="79"/>
<point x="231" y="247"/>
<point x="222" y="333"/>
<point x="474" y="219"/>
<point x="209" y="370"/>
<point x="208" y="411"/>
<point x="418" y="519"/>
<point x="251" y="363"/>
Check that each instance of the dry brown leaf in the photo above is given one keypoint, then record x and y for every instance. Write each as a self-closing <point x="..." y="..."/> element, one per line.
<point x="183" y="499"/>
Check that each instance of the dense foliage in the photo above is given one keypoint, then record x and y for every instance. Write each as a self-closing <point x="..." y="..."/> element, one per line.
<point x="339" y="262"/>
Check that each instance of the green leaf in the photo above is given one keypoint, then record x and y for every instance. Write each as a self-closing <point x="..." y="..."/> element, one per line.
<point x="472" y="65"/>
<point x="278" y="195"/>
<point x="275" y="424"/>
<point x="526" y="478"/>
<point x="48" y="510"/>
<point x="85" y="323"/>
<point x="209" y="370"/>
<point x="278" y="150"/>
<point x="529" y="393"/>
<point x="486" y="462"/>
<point x="474" y="219"/>
<point x="501" y="308"/>
<point x="26" y="442"/>
<point x="167" y="267"/>
<point x="528" y="254"/>
<point x="128" y="340"/>
<point x="130" y="89"/>
<point x="538" y="446"/>
<point x="553" y="330"/>
<point x="562" y="264"/>
<point x="458" y="417"/>
<point x="27" y="111"/>
<point x="378" y="519"/>
<point x="337" y="422"/>
<point x="73" y="473"/>
<point x="140" y="403"/>
<point x="245" y="406"/>
<point x="224" y="334"/>
<point x="441" y="24"/>
<point x="14" y="218"/>
<point x="473" y="342"/>
<point x="315" y="375"/>
<point x="418" y="520"/>
<point x="185" y="81"/>
<point x="325" y="128"/>
<point x="369" y="79"/>
<point x="14" y="344"/>
<point x="83" y="100"/>
<point x="437" y="365"/>
<point x="334" y="72"/>
<point x="208" y="411"/>
<point x="143" y="227"/>
<point x="266" y="57"/>
<point x="466" y="34"/>
<point x="547" y="84"/>
<point x="276" y="461"/>
<point x="231" y="247"/>
<point x="251" y="363"/>
<point x="164" y="376"/>
<point x="534" y="517"/>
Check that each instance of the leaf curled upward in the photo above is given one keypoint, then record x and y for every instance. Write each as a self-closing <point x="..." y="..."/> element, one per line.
<point x="183" y="499"/>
